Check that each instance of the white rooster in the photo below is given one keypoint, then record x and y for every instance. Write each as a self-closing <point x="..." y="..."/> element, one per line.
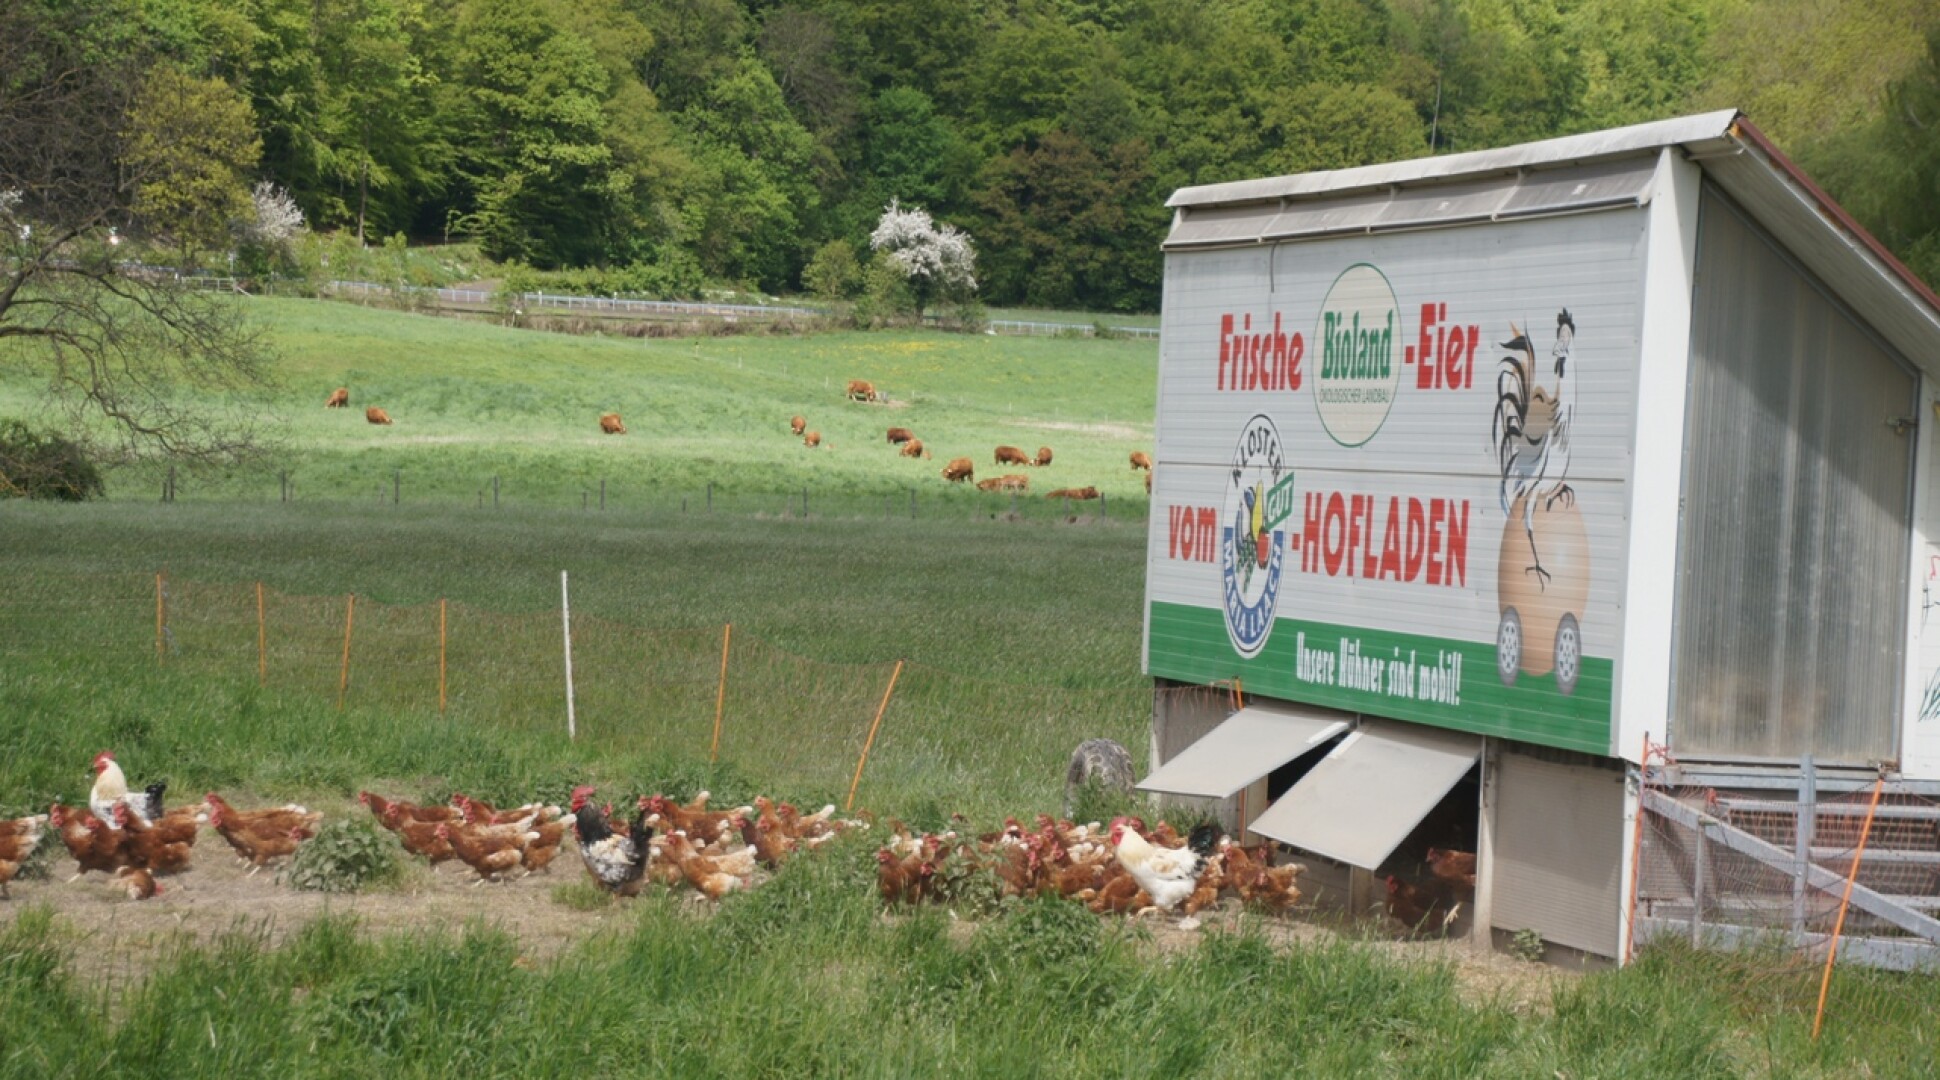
<point x="1168" y="875"/>
<point x="110" y="788"/>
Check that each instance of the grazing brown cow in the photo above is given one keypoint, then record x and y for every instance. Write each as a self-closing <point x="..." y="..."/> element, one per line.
<point x="959" y="469"/>
<point x="1010" y="455"/>
<point x="1013" y="482"/>
<point x="900" y="435"/>
<point x="1043" y="456"/>
<point x="797" y="425"/>
<point x="376" y="415"/>
<point x="1074" y="493"/>
<point x="1140" y="460"/>
<point x="863" y="390"/>
<point x="812" y="440"/>
<point x="914" y="448"/>
<point x="990" y="484"/>
<point x="610" y="423"/>
<point x="339" y="398"/>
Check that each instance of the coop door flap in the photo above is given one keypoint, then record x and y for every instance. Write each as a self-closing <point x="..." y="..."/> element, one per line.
<point x="1365" y="797"/>
<point x="1251" y="743"/>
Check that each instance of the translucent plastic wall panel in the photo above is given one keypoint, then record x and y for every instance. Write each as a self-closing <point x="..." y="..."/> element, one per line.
<point x="1797" y="515"/>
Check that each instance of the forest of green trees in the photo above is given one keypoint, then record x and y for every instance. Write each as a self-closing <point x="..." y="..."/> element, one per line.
<point x="734" y="140"/>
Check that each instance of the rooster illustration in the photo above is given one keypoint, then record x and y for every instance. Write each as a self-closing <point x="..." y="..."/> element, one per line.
<point x="1532" y="431"/>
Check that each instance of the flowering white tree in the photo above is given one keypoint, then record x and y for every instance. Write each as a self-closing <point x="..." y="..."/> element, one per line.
<point x="276" y="218"/>
<point x="936" y="259"/>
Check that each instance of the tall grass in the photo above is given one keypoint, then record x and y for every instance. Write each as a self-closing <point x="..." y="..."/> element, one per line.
<point x="1021" y="641"/>
<point x="803" y="978"/>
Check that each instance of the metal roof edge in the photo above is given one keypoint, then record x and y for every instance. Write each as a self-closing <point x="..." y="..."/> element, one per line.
<point x="1835" y="215"/>
<point x="1697" y="129"/>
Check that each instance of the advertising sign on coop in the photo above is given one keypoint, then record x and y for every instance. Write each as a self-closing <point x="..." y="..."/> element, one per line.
<point x="1392" y="472"/>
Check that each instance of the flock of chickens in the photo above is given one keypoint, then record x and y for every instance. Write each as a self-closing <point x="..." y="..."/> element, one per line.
<point x="132" y="838"/>
<point x="1124" y="868"/>
<point x="714" y="851"/>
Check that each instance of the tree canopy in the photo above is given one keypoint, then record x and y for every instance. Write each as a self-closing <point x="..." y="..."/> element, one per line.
<point x="745" y="136"/>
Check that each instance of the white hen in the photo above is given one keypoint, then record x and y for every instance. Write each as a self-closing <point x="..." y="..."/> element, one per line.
<point x="1168" y="875"/>
<point x="110" y="788"/>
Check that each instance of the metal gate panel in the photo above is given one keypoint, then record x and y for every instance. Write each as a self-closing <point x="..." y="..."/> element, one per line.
<point x="1559" y="852"/>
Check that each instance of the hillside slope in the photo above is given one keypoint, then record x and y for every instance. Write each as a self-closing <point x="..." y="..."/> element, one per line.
<point x="471" y="401"/>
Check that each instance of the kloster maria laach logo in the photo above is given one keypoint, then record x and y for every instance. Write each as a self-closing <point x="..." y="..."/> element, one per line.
<point x="1252" y="547"/>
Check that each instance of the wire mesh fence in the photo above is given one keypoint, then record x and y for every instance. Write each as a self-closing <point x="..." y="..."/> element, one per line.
<point x="719" y="692"/>
<point x="1803" y="878"/>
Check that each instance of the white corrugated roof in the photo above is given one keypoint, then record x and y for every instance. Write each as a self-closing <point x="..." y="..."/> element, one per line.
<point x="1686" y="131"/>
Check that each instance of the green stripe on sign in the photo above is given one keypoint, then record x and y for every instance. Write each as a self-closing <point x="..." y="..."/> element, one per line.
<point x="1450" y="684"/>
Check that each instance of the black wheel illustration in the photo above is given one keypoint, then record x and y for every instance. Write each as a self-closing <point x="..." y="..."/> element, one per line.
<point x="1508" y="646"/>
<point x="1569" y="653"/>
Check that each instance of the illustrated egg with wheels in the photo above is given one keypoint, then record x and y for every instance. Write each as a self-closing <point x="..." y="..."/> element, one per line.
<point x="1541" y="626"/>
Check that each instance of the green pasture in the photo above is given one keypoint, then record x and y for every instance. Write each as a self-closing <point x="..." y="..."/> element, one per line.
<point x="472" y="401"/>
<point x="1022" y="639"/>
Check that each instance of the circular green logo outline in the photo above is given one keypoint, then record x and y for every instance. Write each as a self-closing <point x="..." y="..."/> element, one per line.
<point x="1320" y="336"/>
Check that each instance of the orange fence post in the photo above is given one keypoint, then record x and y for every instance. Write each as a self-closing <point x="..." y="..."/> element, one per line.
<point x="441" y="655"/>
<point x="262" y="639"/>
<point x="161" y="618"/>
<point x="343" y="680"/>
<point x="1839" y="924"/>
<point x="871" y="740"/>
<point x="1636" y="856"/>
<point x="720" y="696"/>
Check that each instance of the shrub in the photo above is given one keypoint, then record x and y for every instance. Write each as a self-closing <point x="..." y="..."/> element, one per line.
<point x="41" y="466"/>
<point x="345" y="856"/>
<point x="833" y="274"/>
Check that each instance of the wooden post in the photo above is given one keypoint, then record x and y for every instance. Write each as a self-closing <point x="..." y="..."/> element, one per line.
<point x="161" y="620"/>
<point x="566" y="624"/>
<point x="1636" y="857"/>
<point x="441" y="655"/>
<point x="343" y="677"/>
<point x="720" y="695"/>
<point x="1839" y="924"/>
<point x="871" y="740"/>
<point x="262" y="639"/>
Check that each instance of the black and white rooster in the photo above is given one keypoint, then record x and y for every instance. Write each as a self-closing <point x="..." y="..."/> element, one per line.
<point x="616" y="861"/>
<point x="1532" y="431"/>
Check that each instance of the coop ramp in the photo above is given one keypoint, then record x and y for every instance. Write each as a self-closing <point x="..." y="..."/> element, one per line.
<point x="1250" y="744"/>
<point x="1364" y="798"/>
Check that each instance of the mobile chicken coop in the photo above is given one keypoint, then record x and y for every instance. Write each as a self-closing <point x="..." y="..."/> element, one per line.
<point x="1479" y="474"/>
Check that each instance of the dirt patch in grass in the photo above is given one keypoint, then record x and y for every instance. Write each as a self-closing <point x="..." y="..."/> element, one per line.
<point x="120" y="941"/>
